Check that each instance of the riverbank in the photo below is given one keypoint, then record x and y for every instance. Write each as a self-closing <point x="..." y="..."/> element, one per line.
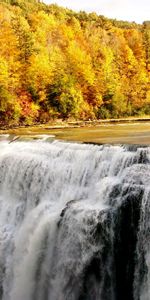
<point x="59" y="123"/>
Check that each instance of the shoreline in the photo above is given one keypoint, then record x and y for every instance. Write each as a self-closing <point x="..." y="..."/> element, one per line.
<point x="60" y="124"/>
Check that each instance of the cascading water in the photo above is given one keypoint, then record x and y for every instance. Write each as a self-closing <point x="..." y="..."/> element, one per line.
<point x="74" y="221"/>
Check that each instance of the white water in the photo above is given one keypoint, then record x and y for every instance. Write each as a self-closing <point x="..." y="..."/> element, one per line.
<point x="59" y="208"/>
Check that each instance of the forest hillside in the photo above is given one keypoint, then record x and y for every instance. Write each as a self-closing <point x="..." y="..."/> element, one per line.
<point x="56" y="63"/>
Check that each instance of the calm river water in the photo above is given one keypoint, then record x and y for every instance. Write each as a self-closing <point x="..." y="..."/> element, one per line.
<point x="131" y="133"/>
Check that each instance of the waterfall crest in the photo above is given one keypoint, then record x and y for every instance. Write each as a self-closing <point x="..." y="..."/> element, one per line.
<point x="74" y="221"/>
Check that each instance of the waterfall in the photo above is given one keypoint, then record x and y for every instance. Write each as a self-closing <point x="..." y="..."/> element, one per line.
<point x="74" y="221"/>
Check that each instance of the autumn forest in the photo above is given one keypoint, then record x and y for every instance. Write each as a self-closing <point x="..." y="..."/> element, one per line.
<point x="57" y="63"/>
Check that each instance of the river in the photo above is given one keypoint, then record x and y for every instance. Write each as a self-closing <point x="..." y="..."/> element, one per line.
<point x="131" y="133"/>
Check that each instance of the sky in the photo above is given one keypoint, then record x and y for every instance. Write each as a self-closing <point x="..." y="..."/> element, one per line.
<point x="127" y="10"/>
